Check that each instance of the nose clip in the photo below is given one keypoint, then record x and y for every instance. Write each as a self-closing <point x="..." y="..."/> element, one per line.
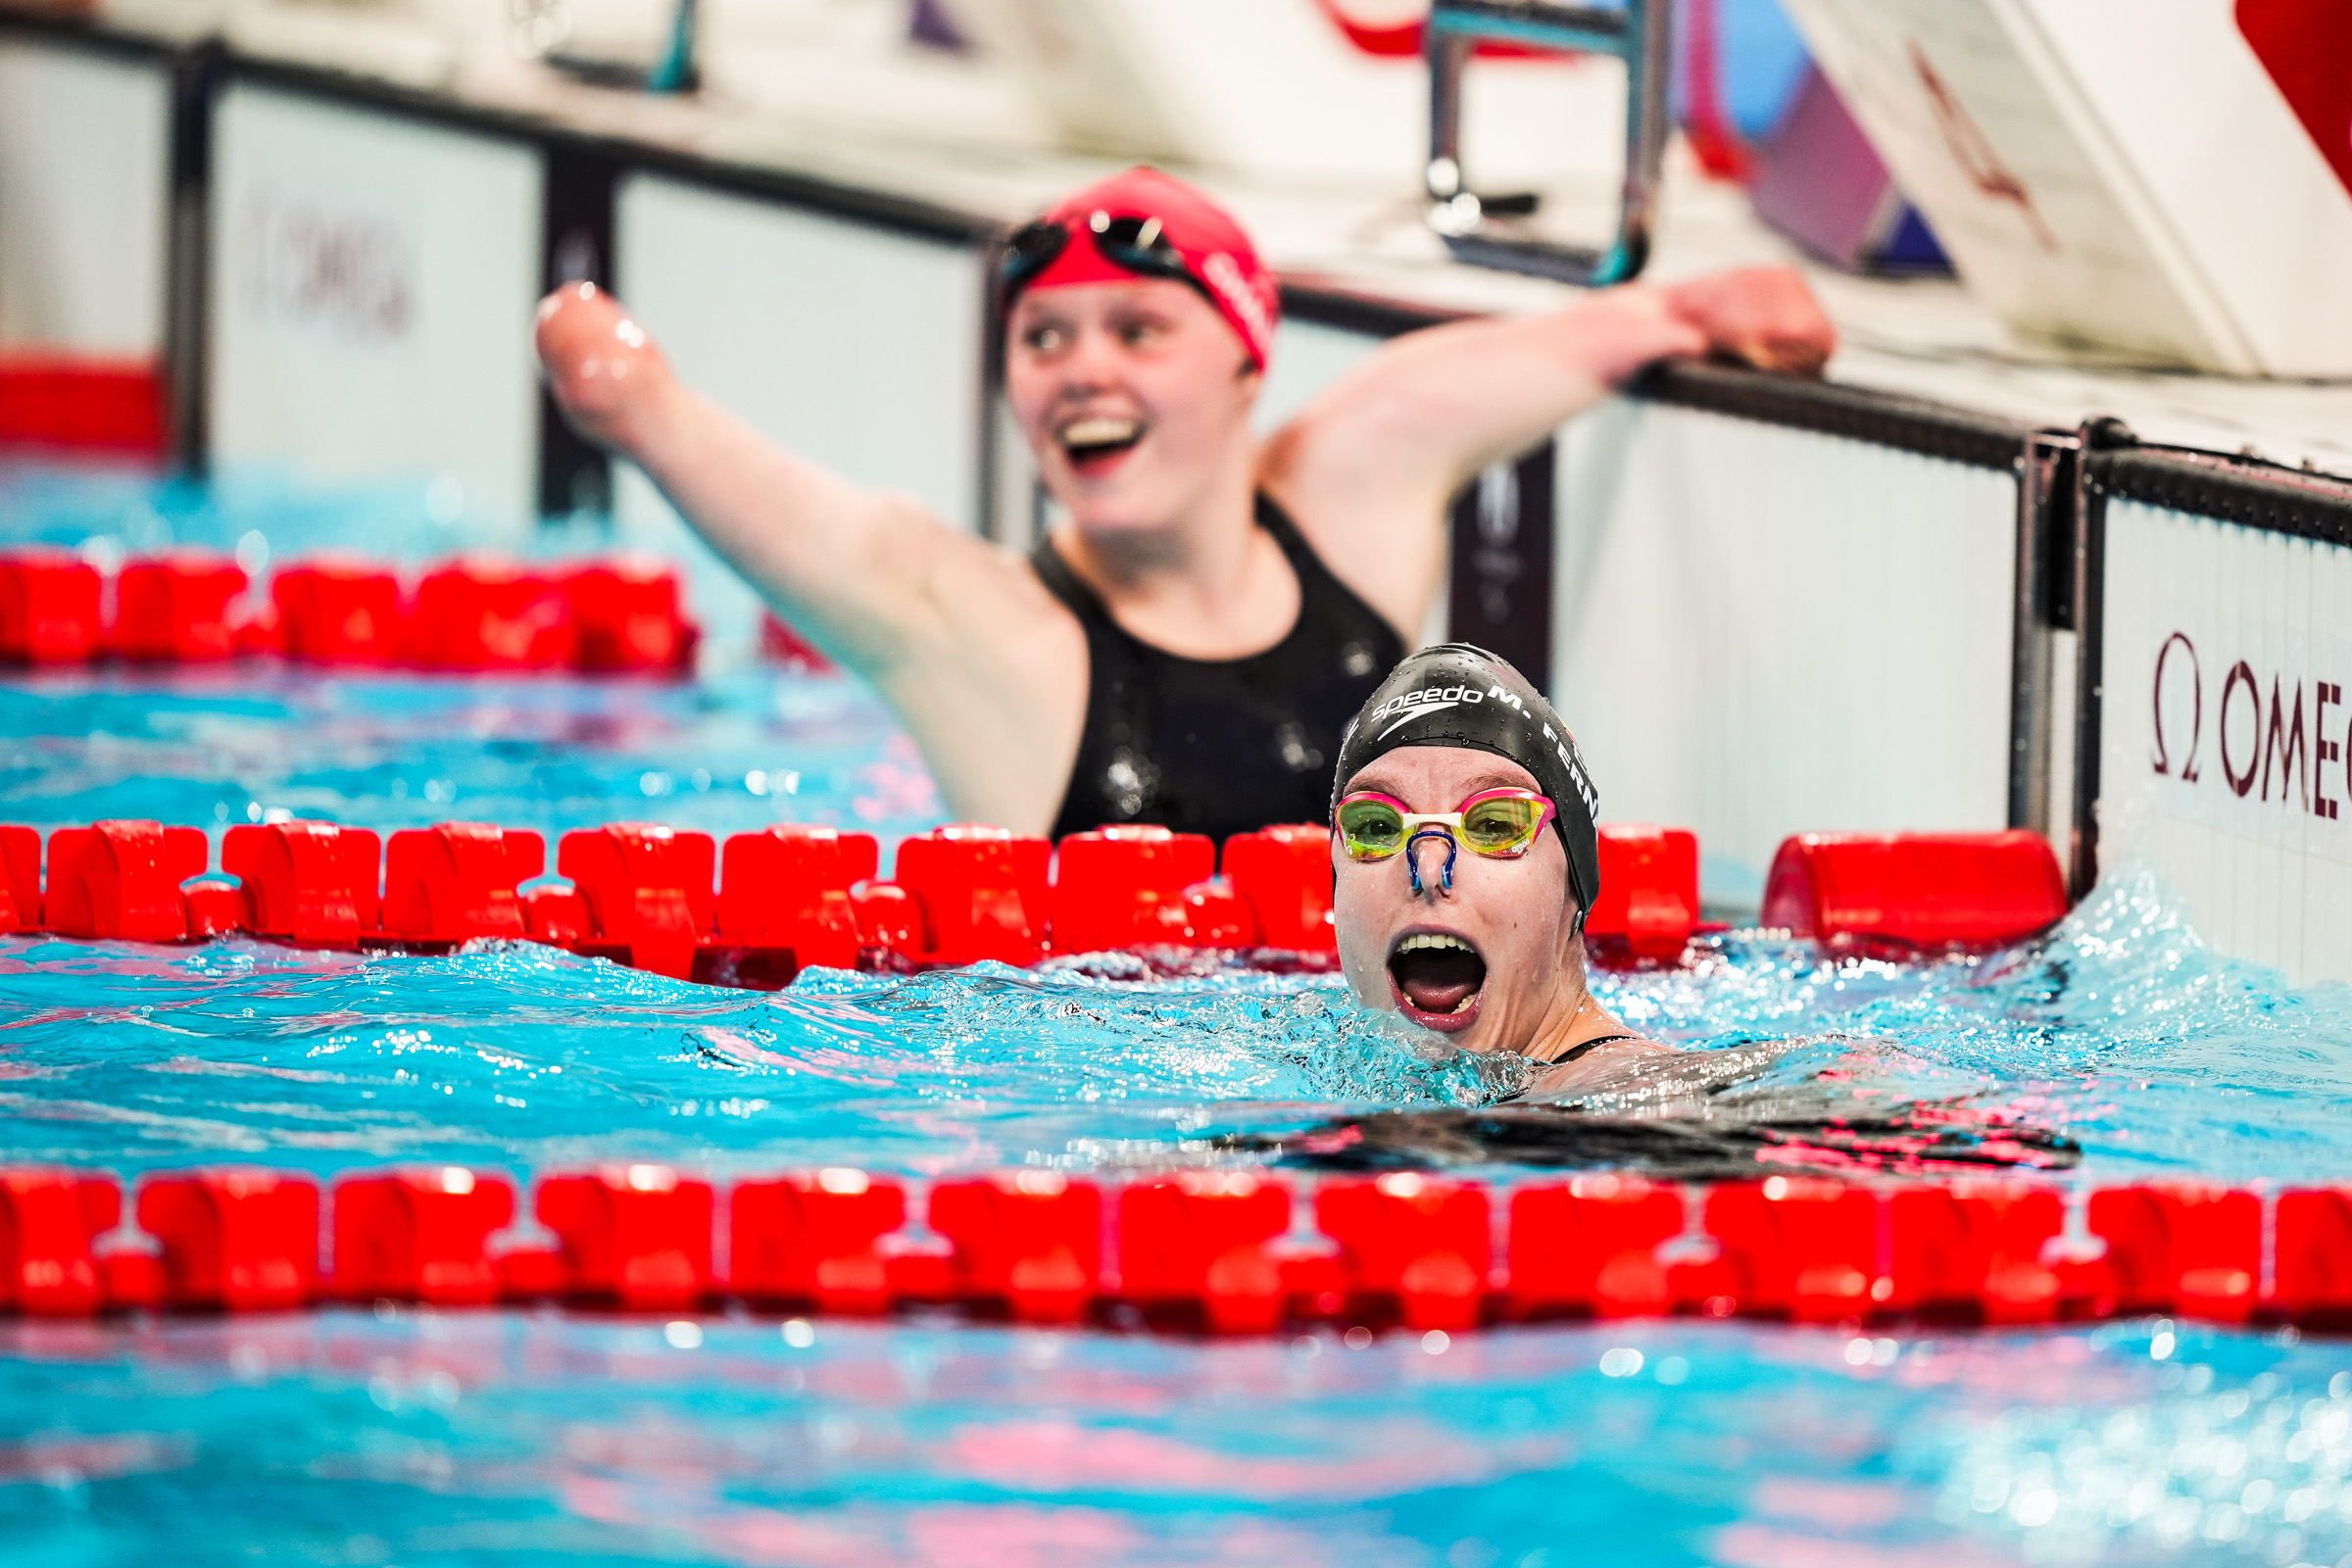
<point x="1412" y="856"/>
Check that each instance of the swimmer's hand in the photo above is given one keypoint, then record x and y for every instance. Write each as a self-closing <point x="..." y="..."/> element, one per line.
<point x="1765" y="316"/>
<point x="607" y="375"/>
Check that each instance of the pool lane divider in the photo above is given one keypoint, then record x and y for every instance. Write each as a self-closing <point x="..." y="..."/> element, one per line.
<point x="1222" y="1250"/>
<point x="792" y="895"/>
<point x="617" y="614"/>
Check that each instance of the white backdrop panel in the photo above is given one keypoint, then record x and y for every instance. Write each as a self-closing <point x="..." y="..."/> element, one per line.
<point x="84" y="160"/>
<point x="1760" y="631"/>
<point x="853" y="345"/>
<point x="2223" y="741"/>
<point x="372" y="292"/>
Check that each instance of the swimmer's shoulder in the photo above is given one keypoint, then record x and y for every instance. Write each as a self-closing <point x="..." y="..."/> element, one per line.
<point x="1595" y="1062"/>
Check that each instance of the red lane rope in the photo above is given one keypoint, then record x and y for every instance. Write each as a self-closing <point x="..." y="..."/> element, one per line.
<point x="791" y="895"/>
<point x="1226" y="1250"/>
<point x="470" y="612"/>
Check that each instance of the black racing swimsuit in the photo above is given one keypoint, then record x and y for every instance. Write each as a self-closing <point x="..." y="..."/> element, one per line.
<point x="1220" y="746"/>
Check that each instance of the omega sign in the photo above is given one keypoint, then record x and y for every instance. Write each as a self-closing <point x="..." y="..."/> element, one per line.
<point x="2250" y="734"/>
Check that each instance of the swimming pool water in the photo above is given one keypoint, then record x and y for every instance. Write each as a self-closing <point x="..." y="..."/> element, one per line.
<point x="528" y="1437"/>
<point x="501" y="1437"/>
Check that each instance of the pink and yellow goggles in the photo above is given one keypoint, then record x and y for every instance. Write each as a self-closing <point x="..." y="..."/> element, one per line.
<point x="1500" y="823"/>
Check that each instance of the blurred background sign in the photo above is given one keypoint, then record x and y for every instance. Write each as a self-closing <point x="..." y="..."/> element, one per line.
<point x="2120" y="176"/>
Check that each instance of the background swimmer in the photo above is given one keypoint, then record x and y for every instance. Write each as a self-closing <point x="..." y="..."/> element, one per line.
<point x="1186" y="647"/>
<point x="1465" y="854"/>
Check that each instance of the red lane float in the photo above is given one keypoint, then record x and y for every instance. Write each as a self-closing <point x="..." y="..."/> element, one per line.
<point x="627" y="615"/>
<point x="1028" y="1244"/>
<point x="1797" y="1247"/>
<point x="2312" y="1265"/>
<point x="338" y="611"/>
<point x="234" y="1241"/>
<point x="1412" y="1247"/>
<point x="48" y="1220"/>
<point x="1283" y="874"/>
<point x="1648" y="903"/>
<point x="473" y="612"/>
<point x="488" y="613"/>
<point x="1977" y="1245"/>
<point x="120" y="880"/>
<point x="1911" y="890"/>
<point x="420" y="1236"/>
<point x="1210" y="1249"/>
<point x="1114" y="887"/>
<point x="789" y="887"/>
<point x="1591" y="1246"/>
<point x="311" y="884"/>
<point x="455" y="882"/>
<point x="1205" y="1243"/>
<point x="816" y="1241"/>
<point x="2190" y="1245"/>
<point x="183" y="607"/>
<point x="636" y="1237"/>
<point x="20" y="879"/>
<point x="647" y="893"/>
<point x="49" y="608"/>
<point x="981" y="891"/>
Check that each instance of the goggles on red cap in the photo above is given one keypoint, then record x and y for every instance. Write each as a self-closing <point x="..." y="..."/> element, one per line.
<point x="1138" y="245"/>
<point x="1144" y="223"/>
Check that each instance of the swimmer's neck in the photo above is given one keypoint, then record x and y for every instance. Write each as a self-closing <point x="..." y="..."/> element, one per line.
<point x="1201" y="544"/>
<point x="1579" y="1022"/>
<point x="1205" y="583"/>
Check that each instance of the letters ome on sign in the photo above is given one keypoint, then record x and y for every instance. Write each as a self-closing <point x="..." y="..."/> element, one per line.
<point x="2250" y="732"/>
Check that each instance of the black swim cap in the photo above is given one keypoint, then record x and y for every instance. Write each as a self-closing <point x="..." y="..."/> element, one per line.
<point x="1453" y="694"/>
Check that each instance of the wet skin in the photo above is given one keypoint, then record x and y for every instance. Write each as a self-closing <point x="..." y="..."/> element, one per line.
<point x="1517" y="980"/>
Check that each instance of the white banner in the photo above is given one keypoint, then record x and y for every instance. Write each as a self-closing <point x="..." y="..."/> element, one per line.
<point x="2225" y="734"/>
<point x="372" y="301"/>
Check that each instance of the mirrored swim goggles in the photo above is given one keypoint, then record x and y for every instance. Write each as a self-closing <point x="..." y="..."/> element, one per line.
<point x="1138" y="245"/>
<point x="1501" y="824"/>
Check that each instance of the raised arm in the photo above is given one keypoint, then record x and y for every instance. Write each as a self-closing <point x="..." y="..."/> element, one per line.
<point x="981" y="664"/>
<point x="855" y="567"/>
<point x="1368" y="467"/>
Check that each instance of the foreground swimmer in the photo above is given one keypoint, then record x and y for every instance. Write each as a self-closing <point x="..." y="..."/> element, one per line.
<point x="1186" y="648"/>
<point x="1455" y="909"/>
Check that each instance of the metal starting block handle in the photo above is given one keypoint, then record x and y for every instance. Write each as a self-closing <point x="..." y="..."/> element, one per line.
<point x="1641" y="36"/>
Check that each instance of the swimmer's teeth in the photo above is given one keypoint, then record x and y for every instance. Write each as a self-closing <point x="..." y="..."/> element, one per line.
<point x="1432" y="940"/>
<point x="1099" y="432"/>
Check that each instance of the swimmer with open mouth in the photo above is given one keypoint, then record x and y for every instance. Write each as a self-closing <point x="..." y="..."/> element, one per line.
<point x="1465" y="855"/>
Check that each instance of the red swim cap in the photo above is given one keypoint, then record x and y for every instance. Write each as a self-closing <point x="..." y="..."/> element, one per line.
<point x="1214" y="246"/>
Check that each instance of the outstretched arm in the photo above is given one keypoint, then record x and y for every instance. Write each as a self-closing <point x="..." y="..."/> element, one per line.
<point x="1367" y="468"/>
<point x="959" y="637"/>
<point x="855" y="568"/>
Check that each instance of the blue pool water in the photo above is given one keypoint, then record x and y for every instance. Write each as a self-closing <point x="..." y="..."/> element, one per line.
<point x="507" y="1437"/>
<point x="416" y="1438"/>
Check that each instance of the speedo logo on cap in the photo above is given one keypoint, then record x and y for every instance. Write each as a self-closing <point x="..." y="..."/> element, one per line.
<point x="1225" y="275"/>
<point x="1406" y="706"/>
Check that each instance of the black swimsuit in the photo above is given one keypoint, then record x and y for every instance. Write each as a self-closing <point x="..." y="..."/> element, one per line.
<point x="1227" y="745"/>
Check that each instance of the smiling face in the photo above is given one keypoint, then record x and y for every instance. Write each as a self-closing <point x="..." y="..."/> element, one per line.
<point x="1495" y="963"/>
<point x="1134" y="396"/>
